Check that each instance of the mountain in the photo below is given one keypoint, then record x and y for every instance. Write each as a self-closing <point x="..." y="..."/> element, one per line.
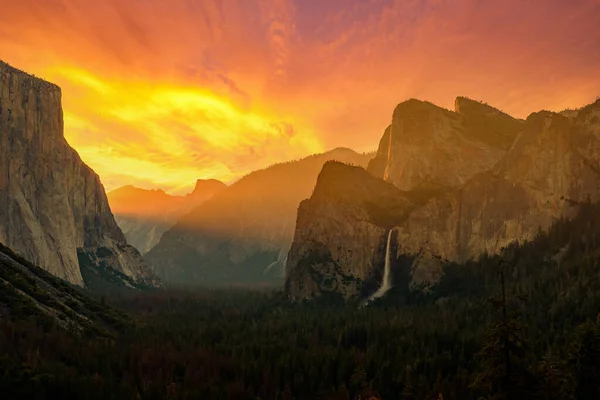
<point x="29" y="291"/>
<point x="340" y="231"/>
<point x="244" y="232"/>
<point x="144" y="215"/>
<point x="460" y="211"/>
<point x="53" y="208"/>
<point x="541" y="177"/>
<point x="427" y="147"/>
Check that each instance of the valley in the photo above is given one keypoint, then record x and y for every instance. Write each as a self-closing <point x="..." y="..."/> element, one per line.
<point x="244" y="344"/>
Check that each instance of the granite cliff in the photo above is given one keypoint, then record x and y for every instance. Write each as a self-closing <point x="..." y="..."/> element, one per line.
<point x="550" y="168"/>
<point x="53" y="208"/>
<point x="244" y="232"/>
<point x="341" y="231"/>
<point x="144" y="215"/>
<point x="538" y="170"/>
<point x="427" y="147"/>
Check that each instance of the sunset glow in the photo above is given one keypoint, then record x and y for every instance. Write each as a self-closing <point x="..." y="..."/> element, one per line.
<point x="160" y="93"/>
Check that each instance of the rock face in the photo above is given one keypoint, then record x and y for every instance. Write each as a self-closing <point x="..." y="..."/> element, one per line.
<point x="244" y="232"/>
<point x="462" y="210"/>
<point x="144" y="215"/>
<point x="53" y="208"/>
<point x="545" y="173"/>
<point x="341" y="231"/>
<point x="429" y="148"/>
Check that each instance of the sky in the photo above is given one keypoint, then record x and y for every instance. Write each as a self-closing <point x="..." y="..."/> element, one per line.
<point x="159" y="93"/>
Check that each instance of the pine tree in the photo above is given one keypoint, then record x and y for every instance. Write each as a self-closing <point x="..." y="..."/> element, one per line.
<point x="584" y="362"/>
<point x="505" y="372"/>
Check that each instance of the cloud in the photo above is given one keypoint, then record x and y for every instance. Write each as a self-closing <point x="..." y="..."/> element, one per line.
<point x="278" y="17"/>
<point x="160" y="93"/>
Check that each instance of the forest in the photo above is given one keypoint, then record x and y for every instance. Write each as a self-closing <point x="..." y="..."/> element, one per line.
<point x="467" y="337"/>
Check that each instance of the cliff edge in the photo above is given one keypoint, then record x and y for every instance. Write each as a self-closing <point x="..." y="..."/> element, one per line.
<point x="53" y="208"/>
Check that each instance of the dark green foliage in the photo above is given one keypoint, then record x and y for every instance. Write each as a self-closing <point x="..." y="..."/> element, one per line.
<point x="237" y="344"/>
<point x="99" y="277"/>
<point x="504" y="359"/>
<point x="318" y="254"/>
<point x="420" y="196"/>
<point x="104" y="252"/>
<point x="498" y="131"/>
<point x="325" y="271"/>
<point x="194" y="269"/>
<point x="386" y="215"/>
<point x="28" y="291"/>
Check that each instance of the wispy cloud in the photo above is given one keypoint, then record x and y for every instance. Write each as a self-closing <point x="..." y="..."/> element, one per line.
<point x="159" y="93"/>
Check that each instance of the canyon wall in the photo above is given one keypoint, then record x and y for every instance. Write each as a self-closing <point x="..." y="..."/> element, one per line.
<point x="53" y="208"/>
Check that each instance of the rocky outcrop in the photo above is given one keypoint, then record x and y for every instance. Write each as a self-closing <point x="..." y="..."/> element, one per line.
<point x="144" y="215"/>
<point x="204" y="190"/>
<point x="244" y="232"/>
<point x="53" y="208"/>
<point x="550" y="167"/>
<point x="341" y="231"/>
<point x="544" y="176"/>
<point x="427" y="147"/>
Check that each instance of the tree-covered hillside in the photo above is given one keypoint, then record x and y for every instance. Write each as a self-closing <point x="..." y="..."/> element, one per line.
<point x="29" y="292"/>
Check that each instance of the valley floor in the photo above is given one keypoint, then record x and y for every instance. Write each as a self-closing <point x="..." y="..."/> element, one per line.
<point x="250" y="344"/>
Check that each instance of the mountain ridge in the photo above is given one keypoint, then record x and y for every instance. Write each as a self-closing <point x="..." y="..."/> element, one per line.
<point x="243" y="233"/>
<point x="145" y="214"/>
<point x="30" y="291"/>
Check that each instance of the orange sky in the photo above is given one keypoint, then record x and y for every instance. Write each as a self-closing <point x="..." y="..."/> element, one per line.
<point x="158" y="93"/>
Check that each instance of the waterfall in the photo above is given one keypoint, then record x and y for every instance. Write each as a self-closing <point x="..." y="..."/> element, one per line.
<point x="386" y="283"/>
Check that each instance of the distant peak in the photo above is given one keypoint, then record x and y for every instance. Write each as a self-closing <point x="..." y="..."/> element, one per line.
<point x="123" y="189"/>
<point x="207" y="185"/>
<point x="130" y="190"/>
<point x="341" y="150"/>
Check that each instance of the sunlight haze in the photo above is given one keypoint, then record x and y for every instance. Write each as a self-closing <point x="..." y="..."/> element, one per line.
<point x="160" y="93"/>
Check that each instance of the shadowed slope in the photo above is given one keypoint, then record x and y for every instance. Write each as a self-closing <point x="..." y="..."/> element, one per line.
<point x="243" y="233"/>
<point x="29" y="291"/>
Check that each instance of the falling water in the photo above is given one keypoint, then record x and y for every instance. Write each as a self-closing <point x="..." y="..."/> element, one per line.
<point x="386" y="284"/>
